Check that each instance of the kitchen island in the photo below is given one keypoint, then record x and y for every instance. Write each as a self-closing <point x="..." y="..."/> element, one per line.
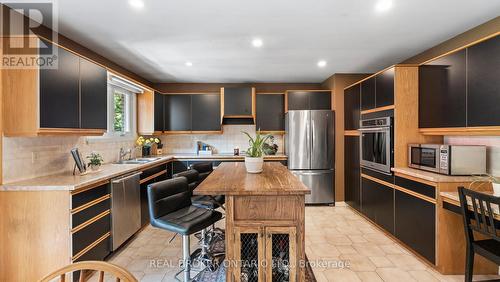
<point x="264" y="221"/>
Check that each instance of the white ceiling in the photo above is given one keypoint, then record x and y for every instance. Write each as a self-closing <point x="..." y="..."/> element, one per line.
<point x="216" y="35"/>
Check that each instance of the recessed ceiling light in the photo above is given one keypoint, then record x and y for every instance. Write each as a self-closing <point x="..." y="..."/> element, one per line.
<point x="322" y="64"/>
<point x="138" y="4"/>
<point x="383" y="5"/>
<point x="189" y="64"/>
<point x="257" y="42"/>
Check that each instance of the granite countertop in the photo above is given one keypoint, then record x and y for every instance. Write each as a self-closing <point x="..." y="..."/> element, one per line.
<point x="431" y="176"/>
<point x="69" y="182"/>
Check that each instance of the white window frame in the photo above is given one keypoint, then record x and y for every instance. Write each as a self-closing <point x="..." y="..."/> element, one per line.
<point x="130" y="110"/>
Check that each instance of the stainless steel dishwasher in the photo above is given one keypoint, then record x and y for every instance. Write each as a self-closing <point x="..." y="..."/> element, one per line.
<point x="125" y="208"/>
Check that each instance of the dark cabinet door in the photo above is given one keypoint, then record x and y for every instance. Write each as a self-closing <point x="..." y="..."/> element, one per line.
<point x="60" y="93"/>
<point x="177" y="112"/>
<point x="351" y="107"/>
<point x="270" y="112"/>
<point x="483" y="84"/>
<point x="298" y="100"/>
<point x="93" y="91"/>
<point x="238" y="101"/>
<point x="368" y="94"/>
<point x="159" y="110"/>
<point x="384" y="86"/>
<point x="416" y="224"/>
<point x="442" y="92"/>
<point x="320" y="100"/>
<point x="377" y="203"/>
<point x="352" y="172"/>
<point x="206" y="112"/>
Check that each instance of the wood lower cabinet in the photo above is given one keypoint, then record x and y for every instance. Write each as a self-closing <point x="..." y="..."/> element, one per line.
<point x="352" y="172"/>
<point x="378" y="203"/>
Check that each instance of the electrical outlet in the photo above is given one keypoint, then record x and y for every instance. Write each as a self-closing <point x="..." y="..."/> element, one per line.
<point x="34" y="157"/>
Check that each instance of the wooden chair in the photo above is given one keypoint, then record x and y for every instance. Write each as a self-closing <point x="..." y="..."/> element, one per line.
<point x="481" y="220"/>
<point x="122" y="275"/>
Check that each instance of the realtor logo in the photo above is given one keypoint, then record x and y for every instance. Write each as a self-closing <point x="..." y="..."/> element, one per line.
<point x="22" y="22"/>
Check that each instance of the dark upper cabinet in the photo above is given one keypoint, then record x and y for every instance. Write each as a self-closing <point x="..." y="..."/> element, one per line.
<point x="93" y="91"/>
<point x="320" y="100"/>
<point x="351" y="107"/>
<point x="483" y="83"/>
<point x="352" y="172"/>
<point x="442" y="92"/>
<point x="416" y="216"/>
<point x="206" y="112"/>
<point x="378" y="203"/>
<point x="309" y="100"/>
<point x="159" y="110"/>
<point x="60" y="93"/>
<point x="177" y="112"/>
<point x="368" y="94"/>
<point x="270" y="112"/>
<point x="238" y="101"/>
<point x="384" y="88"/>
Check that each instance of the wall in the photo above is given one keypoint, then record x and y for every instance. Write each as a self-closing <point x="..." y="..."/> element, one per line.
<point x="28" y="157"/>
<point x="492" y="149"/>
<point x="224" y="143"/>
<point x="215" y="87"/>
<point x="337" y="83"/>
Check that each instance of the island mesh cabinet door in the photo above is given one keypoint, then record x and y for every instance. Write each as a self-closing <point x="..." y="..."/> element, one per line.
<point x="281" y="254"/>
<point x="249" y="254"/>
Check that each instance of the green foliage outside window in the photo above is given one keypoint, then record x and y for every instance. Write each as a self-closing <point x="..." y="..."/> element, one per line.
<point x="119" y="112"/>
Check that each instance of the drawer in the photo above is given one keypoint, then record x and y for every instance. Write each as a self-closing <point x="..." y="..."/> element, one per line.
<point x="267" y="208"/>
<point x="98" y="252"/>
<point x="417" y="187"/>
<point x="90" y="233"/>
<point x="81" y="198"/>
<point x="154" y="170"/>
<point x="90" y="212"/>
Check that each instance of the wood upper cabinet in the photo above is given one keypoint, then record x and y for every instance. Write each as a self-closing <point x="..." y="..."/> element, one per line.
<point x="159" y="112"/>
<point x="238" y="101"/>
<point x="483" y="83"/>
<point x="384" y="88"/>
<point x="352" y="172"/>
<point x="308" y="100"/>
<point x="68" y="99"/>
<point x="442" y="92"/>
<point x="270" y="112"/>
<point x="177" y="112"/>
<point x="93" y="92"/>
<point x="368" y="94"/>
<point x="352" y="107"/>
<point x="206" y="112"/>
<point x="60" y="92"/>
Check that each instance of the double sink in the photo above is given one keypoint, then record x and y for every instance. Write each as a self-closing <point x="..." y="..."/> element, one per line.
<point x="138" y="161"/>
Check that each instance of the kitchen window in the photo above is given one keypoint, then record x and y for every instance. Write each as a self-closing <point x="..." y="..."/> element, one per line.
<point x="121" y="114"/>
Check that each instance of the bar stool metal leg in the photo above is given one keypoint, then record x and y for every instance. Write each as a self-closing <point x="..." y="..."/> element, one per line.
<point x="186" y="257"/>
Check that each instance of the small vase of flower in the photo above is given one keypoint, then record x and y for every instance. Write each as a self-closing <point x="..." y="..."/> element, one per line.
<point x="95" y="161"/>
<point x="146" y="144"/>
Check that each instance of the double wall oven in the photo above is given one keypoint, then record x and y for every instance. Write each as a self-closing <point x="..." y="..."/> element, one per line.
<point x="376" y="144"/>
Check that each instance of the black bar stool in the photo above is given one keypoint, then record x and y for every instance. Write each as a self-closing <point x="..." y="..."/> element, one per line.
<point x="483" y="216"/>
<point x="170" y="208"/>
<point x="204" y="169"/>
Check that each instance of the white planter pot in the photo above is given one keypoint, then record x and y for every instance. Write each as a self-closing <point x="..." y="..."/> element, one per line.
<point x="496" y="189"/>
<point x="254" y="165"/>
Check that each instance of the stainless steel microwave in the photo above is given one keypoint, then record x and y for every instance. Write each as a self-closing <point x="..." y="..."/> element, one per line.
<point x="448" y="159"/>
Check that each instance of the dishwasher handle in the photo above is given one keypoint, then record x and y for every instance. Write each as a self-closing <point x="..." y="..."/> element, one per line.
<point x="121" y="179"/>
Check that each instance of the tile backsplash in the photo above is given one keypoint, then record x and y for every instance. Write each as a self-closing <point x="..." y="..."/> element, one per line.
<point x="223" y="143"/>
<point x="28" y="157"/>
<point x="492" y="149"/>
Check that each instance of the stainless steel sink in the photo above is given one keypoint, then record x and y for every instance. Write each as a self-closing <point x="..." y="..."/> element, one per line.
<point x="148" y="159"/>
<point x="137" y="161"/>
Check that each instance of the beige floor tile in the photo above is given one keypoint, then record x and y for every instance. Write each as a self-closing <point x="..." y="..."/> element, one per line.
<point x="423" y="276"/>
<point x="368" y="249"/>
<point x="407" y="262"/>
<point x="358" y="239"/>
<point x="338" y="239"/>
<point x="325" y="250"/>
<point x="369" y="276"/>
<point x="346" y="249"/>
<point x="152" y="277"/>
<point x="381" y="261"/>
<point x="341" y="275"/>
<point x="394" y="275"/>
<point x="359" y="262"/>
<point x="392" y="249"/>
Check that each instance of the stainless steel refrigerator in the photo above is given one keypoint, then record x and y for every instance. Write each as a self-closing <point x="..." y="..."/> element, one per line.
<point x="310" y="147"/>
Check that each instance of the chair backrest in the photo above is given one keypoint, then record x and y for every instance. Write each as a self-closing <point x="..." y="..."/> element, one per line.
<point x="192" y="177"/>
<point x="481" y="217"/>
<point x="204" y="169"/>
<point x="168" y="196"/>
<point x="121" y="275"/>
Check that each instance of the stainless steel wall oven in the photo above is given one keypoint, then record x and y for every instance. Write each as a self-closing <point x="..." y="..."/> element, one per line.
<point x="376" y="144"/>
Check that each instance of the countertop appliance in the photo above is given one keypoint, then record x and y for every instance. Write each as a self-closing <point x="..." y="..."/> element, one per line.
<point x="448" y="159"/>
<point x="125" y="208"/>
<point x="310" y="147"/>
<point x="377" y="150"/>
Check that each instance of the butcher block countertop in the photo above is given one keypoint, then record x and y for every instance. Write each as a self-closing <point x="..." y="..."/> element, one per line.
<point x="231" y="179"/>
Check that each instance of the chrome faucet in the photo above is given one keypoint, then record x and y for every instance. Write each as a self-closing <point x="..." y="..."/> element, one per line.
<point x="124" y="152"/>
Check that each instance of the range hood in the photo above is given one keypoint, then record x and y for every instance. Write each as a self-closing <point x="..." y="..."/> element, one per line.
<point x="238" y="120"/>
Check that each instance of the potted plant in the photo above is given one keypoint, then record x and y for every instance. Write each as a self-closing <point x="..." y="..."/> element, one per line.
<point x="495" y="182"/>
<point x="95" y="161"/>
<point x="254" y="159"/>
<point x="270" y="148"/>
